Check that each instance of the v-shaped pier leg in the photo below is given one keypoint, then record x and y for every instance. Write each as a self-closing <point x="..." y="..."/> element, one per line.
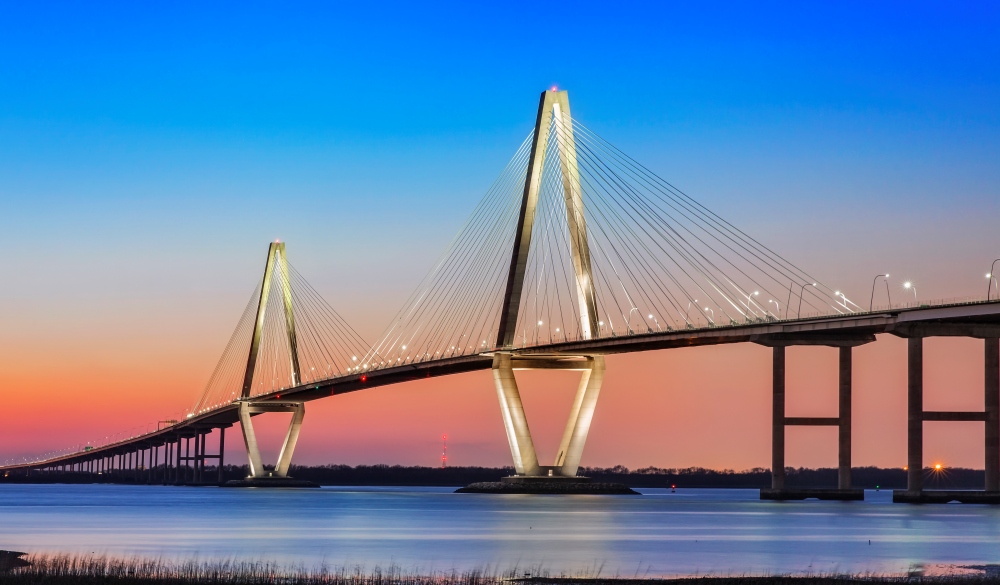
<point x="522" y="449"/>
<point x="292" y="437"/>
<point x="578" y="425"/>
<point x="250" y="441"/>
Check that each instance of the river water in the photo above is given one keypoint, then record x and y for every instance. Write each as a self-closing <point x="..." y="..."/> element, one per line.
<point x="691" y="532"/>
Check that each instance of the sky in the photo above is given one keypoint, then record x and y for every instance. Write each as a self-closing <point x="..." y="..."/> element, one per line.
<point x="148" y="154"/>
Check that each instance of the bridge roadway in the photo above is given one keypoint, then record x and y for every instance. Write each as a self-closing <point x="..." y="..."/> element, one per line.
<point x="979" y="319"/>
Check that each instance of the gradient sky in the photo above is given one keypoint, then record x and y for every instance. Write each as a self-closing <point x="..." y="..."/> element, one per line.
<point x="148" y="154"/>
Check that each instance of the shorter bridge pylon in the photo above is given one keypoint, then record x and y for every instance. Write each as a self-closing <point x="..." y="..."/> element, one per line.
<point x="248" y="407"/>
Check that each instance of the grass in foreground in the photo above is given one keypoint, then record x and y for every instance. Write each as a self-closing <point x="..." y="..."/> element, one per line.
<point x="101" y="570"/>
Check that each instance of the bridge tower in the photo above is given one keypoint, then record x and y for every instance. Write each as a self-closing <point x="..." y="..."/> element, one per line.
<point x="553" y="113"/>
<point x="276" y="263"/>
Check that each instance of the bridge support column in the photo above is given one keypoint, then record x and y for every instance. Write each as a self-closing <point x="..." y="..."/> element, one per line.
<point x="177" y="463"/>
<point x="991" y="385"/>
<point x="574" y="438"/>
<point x="582" y="414"/>
<point x="196" y="462"/>
<point x="522" y="449"/>
<point x="989" y="416"/>
<point x="778" y="418"/>
<point x="844" y="428"/>
<point x="915" y="415"/>
<point x="222" y="453"/>
<point x="248" y="409"/>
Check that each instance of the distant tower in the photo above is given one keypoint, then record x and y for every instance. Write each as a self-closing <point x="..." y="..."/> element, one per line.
<point x="444" y="451"/>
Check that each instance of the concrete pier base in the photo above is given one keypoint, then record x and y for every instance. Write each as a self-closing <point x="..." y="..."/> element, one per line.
<point x="519" y="484"/>
<point x="271" y="482"/>
<point x="812" y="494"/>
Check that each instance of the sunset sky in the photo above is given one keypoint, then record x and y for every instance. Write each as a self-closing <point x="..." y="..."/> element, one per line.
<point x="148" y="156"/>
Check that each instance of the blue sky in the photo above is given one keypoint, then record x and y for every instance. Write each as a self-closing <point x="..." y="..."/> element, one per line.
<point x="365" y="133"/>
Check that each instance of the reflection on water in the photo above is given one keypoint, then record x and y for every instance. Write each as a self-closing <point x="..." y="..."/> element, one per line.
<point x="429" y="529"/>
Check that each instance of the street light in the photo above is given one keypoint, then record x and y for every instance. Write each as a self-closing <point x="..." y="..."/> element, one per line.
<point x="802" y="291"/>
<point x="908" y="285"/>
<point x="992" y="279"/>
<point x="776" y="307"/>
<point x="755" y="293"/>
<point x="836" y="294"/>
<point x="712" y="320"/>
<point x="655" y="320"/>
<point x="872" y="302"/>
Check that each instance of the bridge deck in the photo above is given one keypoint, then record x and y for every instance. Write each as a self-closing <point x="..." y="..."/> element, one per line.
<point x="973" y="319"/>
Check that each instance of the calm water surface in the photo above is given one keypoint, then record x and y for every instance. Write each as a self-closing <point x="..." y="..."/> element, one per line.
<point x="432" y="529"/>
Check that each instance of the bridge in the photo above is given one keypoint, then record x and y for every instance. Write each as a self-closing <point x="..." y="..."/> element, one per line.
<point x="575" y="252"/>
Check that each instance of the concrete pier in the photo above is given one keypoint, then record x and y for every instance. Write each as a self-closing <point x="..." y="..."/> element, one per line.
<point x="844" y="426"/>
<point x="778" y="418"/>
<point x="779" y="421"/>
<point x="916" y="416"/>
<point x="991" y="402"/>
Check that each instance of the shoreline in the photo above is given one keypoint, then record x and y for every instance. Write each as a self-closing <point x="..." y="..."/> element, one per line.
<point x="648" y="477"/>
<point x="31" y="569"/>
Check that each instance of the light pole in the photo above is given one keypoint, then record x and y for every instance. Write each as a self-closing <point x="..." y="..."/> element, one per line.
<point x="689" y="308"/>
<point x="655" y="320"/>
<point x="992" y="278"/>
<point x="836" y="294"/>
<point x="908" y="285"/>
<point x="872" y="302"/>
<point x="777" y="308"/>
<point x="754" y="293"/>
<point x="802" y="291"/>
<point x="712" y="320"/>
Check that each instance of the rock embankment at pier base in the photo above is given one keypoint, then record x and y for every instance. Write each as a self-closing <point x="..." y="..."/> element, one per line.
<point x="540" y="487"/>
<point x="271" y="482"/>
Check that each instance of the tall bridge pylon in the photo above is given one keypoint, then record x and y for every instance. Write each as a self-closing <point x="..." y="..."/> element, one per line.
<point x="553" y="118"/>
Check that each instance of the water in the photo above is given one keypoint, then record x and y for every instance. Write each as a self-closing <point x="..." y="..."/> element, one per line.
<point x="431" y="529"/>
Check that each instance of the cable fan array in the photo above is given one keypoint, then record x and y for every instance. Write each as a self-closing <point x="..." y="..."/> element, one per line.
<point x="455" y="310"/>
<point x="326" y="345"/>
<point x="659" y="261"/>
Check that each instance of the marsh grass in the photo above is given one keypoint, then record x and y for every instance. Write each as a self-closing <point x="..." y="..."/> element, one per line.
<point x="93" y="570"/>
<point x="104" y="570"/>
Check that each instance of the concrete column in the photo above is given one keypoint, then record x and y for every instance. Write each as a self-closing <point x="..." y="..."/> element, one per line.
<point x="250" y="441"/>
<point x="288" y="447"/>
<point x="199" y="450"/>
<point x="580" y="417"/>
<point x="778" y="419"/>
<point x="915" y="411"/>
<point x="222" y="452"/>
<point x="177" y="463"/>
<point x="516" y="424"/>
<point x="992" y="403"/>
<point x="844" y="472"/>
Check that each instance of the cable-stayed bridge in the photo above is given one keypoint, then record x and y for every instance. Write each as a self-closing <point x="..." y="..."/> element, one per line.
<point x="575" y="252"/>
